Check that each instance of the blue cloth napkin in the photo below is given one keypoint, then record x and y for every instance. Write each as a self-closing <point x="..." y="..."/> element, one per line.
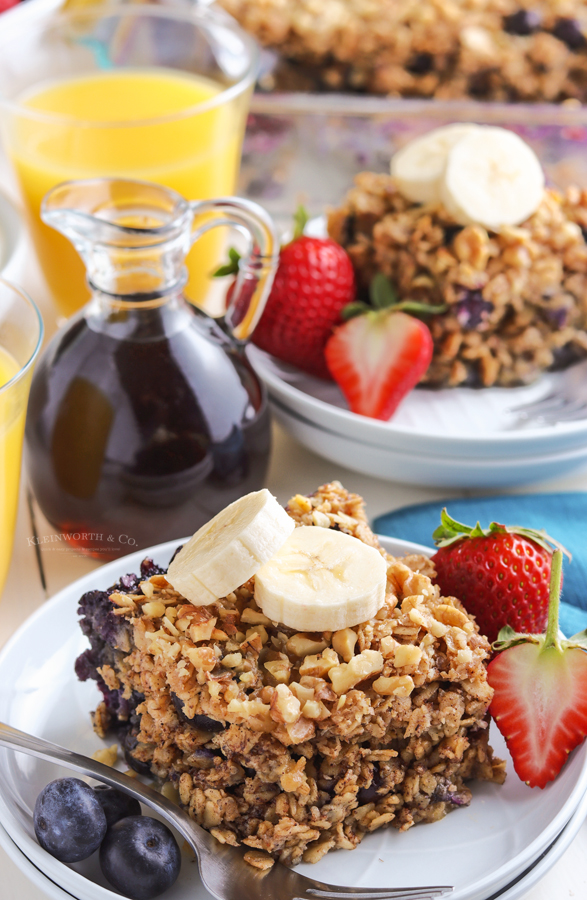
<point x="564" y="516"/>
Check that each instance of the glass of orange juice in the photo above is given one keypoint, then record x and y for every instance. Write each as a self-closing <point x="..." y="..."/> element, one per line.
<point x="149" y="92"/>
<point x="21" y="332"/>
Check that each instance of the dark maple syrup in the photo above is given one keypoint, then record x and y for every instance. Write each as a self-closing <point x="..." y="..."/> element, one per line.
<point x="142" y="425"/>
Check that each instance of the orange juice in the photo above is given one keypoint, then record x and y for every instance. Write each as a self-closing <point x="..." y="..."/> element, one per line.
<point x="154" y="124"/>
<point x="12" y="415"/>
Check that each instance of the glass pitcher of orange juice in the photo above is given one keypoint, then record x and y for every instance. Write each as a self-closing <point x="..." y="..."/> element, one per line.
<point x="135" y="91"/>
<point x="145" y="417"/>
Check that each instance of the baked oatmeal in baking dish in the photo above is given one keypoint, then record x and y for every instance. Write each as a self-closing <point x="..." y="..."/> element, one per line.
<point x="507" y="50"/>
<point x="296" y="742"/>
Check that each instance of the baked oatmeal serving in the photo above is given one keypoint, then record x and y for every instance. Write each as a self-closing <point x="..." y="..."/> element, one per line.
<point x="507" y="50"/>
<point x="293" y="739"/>
<point x="465" y="225"/>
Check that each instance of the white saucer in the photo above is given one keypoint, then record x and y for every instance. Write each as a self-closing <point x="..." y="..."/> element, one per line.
<point x="447" y="438"/>
<point x="426" y="469"/>
<point x="512" y="825"/>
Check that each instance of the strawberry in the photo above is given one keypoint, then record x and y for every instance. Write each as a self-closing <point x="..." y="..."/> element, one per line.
<point x="377" y="358"/>
<point x="380" y="353"/>
<point x="314" y="281"/>
<point x="540" y="693"/>
<point x="501" y="574"/>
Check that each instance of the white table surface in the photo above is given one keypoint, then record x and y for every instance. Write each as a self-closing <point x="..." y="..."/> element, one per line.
<point x="293" y="470"/>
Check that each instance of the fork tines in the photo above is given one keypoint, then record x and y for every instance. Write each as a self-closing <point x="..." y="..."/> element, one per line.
<point x="345" y="893"/>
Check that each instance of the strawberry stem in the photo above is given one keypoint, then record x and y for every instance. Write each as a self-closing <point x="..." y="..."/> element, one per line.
<point x="551" y="638"/>
<point x="300" y="221"/>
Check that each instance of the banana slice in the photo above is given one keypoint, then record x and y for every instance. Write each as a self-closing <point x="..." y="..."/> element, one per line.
<point x="321" y="580"/>
<point x="229" y="549"/>
<point x="492" y="178"/>
<point x="419" y="166"/>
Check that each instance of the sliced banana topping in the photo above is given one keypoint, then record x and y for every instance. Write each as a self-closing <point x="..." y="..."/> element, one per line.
<point x="321" y="580"/>
<point x="492" y="178"/>
<point x="419" y="166"/>
<point x="229" y="549"/>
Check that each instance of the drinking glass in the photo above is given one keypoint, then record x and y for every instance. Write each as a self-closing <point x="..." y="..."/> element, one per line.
<point x="21" y="333"/>
<point x="136" y="91"/>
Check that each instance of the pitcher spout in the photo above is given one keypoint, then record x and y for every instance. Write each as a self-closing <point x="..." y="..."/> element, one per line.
<point x="133" y="236"/>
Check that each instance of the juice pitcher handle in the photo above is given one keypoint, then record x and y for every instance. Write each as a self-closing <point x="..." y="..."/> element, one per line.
<point x="256" y="270"/>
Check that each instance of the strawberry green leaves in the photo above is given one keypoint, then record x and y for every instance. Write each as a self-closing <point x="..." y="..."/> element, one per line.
<point x="229" y="268"/>
<point x="383" y="295"/>
<point x="540" y="693"/>
<point x="449" y="531"/>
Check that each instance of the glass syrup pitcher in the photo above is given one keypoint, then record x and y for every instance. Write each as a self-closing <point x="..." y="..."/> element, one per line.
<point x="145" y="417"/>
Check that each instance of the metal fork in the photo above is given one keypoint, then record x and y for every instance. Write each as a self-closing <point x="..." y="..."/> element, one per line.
<point x="224" y="872"/>
<point x="565" y="403"/>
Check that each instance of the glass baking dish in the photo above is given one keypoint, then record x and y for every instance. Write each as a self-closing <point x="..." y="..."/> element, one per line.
<point x="306" y="148"/>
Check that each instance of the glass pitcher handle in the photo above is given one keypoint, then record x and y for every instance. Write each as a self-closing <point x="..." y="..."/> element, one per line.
<point x="256" y="270"/>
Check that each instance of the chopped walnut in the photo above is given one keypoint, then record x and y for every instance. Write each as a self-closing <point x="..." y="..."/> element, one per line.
<point x="344" y="643"/>
<point x="285" y="706"/>
<point x="347" y="675"/>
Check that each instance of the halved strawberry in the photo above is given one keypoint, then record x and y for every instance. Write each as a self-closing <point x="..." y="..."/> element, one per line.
<point x="378" y="357"/>
<point x="540" y="700"/>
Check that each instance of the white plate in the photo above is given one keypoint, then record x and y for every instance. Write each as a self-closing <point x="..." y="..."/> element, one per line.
<point x="510" y="826"/>
<point x="38" y="878"/>
<point x="516" y="889"/>
<point x="426" y="469"/>
<point x="457" y="422"/>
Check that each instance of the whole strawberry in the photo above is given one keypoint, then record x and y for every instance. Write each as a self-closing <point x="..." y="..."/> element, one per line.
<point x="314" y="281"/>
<point x="540" y="693"/>
<point x="501" y="574"/>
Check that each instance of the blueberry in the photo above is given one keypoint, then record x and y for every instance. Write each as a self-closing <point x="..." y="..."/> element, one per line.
<point x="566" y="356"/>
<point x="69" y="820"/>
<point x="557" y="317"/>
<point x="524" y="21"/>
<point x="568" y="31"/>
<point x="420" y="64"/>
<point x="140" y="857"/>
<point x="138" y="765"/>
<point x="450" y="233"/>
<point x="149" y="568"/>
<point x="371" y="793"/>
<point x="116" y="804"/>
<point x="481" y="83"/>
<point x="472" y="310"/>
<point x="203" y="723"/>
<point x="130" y="582"/>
